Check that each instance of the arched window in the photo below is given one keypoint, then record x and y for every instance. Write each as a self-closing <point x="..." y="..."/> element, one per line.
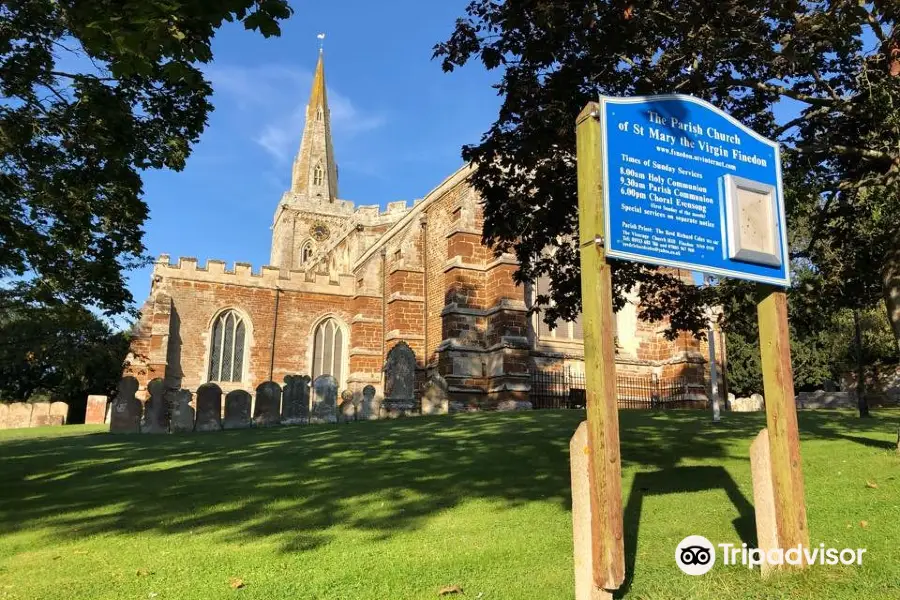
<point x="306" y="253"/>
<point x="226" y="352"/>
<point x="328" y="350"/>
<point x="320" y="114"/>
<point x="562" y="330"/>
<point x="318" y="175"/>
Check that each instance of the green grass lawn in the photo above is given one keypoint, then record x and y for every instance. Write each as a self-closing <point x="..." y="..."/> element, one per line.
<point x="397" y="509"/>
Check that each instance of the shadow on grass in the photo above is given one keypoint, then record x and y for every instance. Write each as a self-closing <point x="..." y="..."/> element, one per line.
<point x="295" y="484"/>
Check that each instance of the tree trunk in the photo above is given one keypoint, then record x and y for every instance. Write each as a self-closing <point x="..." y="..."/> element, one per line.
<point x="861" y="401"/>
<point x="890" y="282"/>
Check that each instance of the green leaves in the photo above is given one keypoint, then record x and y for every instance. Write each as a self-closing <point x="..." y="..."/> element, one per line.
<point x="73" y="143"/>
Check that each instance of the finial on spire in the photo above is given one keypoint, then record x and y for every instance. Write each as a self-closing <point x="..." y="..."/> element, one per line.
<point x="321" y="38"/>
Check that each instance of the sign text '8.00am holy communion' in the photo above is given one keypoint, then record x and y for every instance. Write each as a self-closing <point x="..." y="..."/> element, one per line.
<point x="686" y="185"/>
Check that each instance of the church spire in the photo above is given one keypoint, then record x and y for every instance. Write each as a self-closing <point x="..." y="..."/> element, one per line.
<point x="315" y="172"/>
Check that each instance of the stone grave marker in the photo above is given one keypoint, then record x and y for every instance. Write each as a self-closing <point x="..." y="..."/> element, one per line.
<point x="95" y="412"/>
<point x="436" y="396"/>
<point x="370" y="406"/>
<point x="40" y="414"/>
<point x="295" y="402"/>
<point x="347" y="408"/>
<point x="182" y="420"/>
<point x="267" y="411"/>
<point x="155" y="408"/>
<point x="237" y="409"/>
<point x="19" y="415"/>
<point x="399" y="381"/>
<point x="4" y="415"/>
<point x="209" y="408"/>
<point x="324" y="406"/>
<point x="59" y="411"/>
<point x="126" y="409"/>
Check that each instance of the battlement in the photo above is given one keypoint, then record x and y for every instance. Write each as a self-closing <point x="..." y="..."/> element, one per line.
<point x="216" y="271"/>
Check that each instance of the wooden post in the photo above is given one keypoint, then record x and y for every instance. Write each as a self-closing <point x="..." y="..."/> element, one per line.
<point x="781" y="420"/>
<point x="608" y="550"/>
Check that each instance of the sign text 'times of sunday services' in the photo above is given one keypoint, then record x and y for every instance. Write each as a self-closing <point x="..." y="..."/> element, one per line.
<point x="688" y="186"/>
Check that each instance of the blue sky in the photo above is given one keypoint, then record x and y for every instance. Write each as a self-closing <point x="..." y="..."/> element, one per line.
<point x="398" y="124"/>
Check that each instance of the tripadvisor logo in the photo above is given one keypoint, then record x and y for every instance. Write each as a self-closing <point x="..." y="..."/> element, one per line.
<point x="696" y="555"/>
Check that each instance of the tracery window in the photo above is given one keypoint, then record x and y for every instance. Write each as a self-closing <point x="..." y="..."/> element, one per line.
<point x="318" y="175"/>
<point x="306" y="253"/>
<point x="328" y="350"/>
<point x="226" y="353"/>
<point x="563" y="330"/>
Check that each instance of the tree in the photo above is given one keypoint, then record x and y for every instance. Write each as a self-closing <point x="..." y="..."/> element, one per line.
<point x="832" y="67"/>
<point x="59" y="351"/>
<point x="94" y="93"/>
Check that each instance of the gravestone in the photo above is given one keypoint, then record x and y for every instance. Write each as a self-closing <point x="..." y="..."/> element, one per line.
<point x="40" y="414"/>
<point x="399" y="381"/>
<point x="267" y="411"/>
<point x="95" y="412"/>
<point x="155" y="408"/>
<point x="19" y="415"/>
<point x="347" y="408"/>
<point x="209" y="408"/>
<point x="182" y="420"/>
<point x="4" y="415"/>
<point x="324" y="406"/>
<point x="295" y="402"/>
<point x="59" y="411"/>
<point x="237" y="409"/>
<point x="436" y="396"/>
<point x="370" y="406"/>
<point x="126" y="410"/>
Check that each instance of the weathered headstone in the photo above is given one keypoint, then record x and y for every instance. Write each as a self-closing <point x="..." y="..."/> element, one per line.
<point x="436" y="396"/>
<point x="370" y="406"/>
<point x="4" y="415"/>
<point x="209" y="408"/>
<point x="59" y="411"/>
<point x="126" y="409"/>
<point x="40" y="414"/>
<point x="399" y="381"/>
<point x="267" y="411"/>
<point x="513" y="405"/>
<point x="237" y="409"/>
<point x="347" y="409"/>
<point x="182" y="420"/>
<point x="295" y="402"/>
<point x="324" y="406"/>
<point x="155" y="408"/>
<point x="95" y="412"/>
<point x="19" y="415"/>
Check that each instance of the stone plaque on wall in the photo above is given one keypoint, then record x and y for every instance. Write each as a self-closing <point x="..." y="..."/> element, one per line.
<point x="209" y="408"/>
<point x="126" y="409"/>
<point x="268" y="405"/>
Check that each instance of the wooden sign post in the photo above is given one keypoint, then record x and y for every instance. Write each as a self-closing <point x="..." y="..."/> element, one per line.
<point x="724" y="218"/>
<point x="604" y="462"/>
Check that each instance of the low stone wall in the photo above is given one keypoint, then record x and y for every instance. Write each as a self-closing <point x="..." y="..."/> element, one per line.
<point x="822" y="399"/>
<point x="19" y="415"/>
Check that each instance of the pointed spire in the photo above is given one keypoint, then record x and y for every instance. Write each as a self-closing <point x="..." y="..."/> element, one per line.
<point x="315" y="171"/>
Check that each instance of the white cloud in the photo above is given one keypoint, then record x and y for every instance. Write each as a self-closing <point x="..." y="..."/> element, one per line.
<point x="273" y="99"/>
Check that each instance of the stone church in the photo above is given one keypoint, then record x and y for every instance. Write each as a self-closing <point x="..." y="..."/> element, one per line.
<point x="345" y="283"/>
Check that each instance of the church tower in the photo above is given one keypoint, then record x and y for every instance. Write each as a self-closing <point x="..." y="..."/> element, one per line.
<point x="310" y="212"/>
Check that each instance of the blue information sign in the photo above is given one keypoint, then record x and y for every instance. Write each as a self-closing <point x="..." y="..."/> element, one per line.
<point x="687" y="186"/>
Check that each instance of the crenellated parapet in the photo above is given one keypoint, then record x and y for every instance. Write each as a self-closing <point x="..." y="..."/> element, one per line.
<point x="241" y="273"/>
